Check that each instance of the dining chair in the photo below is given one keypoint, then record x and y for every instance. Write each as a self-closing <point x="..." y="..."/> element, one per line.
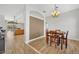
<point x="49" y="37"/>
<point x="64" y="40"/>
<point x="54" y="39"/>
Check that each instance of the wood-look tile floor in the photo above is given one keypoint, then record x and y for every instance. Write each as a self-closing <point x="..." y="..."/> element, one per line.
<point x="40" y="45"/>
<point x="16" y="45"/>
<point x="19" y="47"/>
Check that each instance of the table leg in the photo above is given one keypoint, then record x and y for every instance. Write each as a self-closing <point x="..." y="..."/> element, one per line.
<point x="66" y="44"/>
<point x="61" y="44"/>
<point x="47" y="40"/>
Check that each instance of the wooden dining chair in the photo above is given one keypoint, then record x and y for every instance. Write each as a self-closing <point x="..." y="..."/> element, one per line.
<point x="64" y="40"/>
<point x="48" y="36"/>
<point x="54" y="39"/>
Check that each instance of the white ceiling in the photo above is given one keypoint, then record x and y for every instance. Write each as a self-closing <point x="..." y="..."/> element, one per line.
<point x="49" y="7"/>
<point x="10" y="9"/>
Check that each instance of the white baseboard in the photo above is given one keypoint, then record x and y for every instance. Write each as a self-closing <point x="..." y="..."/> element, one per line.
<point x="31" y="40"/>
<point x="74" y="39"/>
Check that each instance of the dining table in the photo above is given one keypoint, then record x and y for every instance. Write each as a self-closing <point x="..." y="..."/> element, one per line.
<point x="57" y="34"/>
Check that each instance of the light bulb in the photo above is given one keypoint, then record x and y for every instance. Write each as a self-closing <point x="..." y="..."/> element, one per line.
<point x="55" y="13"/>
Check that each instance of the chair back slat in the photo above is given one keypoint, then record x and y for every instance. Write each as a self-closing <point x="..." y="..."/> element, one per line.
<point x="67" y="34"/>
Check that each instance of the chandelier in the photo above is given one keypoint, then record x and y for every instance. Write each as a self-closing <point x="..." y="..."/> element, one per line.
<point x="55" y="12"/>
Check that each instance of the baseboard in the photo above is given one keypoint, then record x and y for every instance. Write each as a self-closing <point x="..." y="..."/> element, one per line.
<point x="34" y="39"/>
<point x="42" y="37"/>
<point x="74" y="39"/>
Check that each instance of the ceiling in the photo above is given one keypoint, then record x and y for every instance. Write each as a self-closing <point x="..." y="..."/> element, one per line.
<point x="13" y="9"/>
<point x="10" y="9"/>
<point x="49" y="7"/>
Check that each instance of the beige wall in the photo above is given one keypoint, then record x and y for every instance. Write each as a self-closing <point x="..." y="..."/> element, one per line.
<point x="36" y="27"/>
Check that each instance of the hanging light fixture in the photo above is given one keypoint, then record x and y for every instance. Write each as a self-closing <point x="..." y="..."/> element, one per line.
<point x="55" y="11"/>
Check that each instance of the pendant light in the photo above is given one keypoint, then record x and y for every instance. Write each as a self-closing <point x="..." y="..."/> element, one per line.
<point x="55" y="12"/>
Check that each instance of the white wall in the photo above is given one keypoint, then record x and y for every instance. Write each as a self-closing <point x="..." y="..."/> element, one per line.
<point x="26" y="23"/>
<point x="67" y="21"/>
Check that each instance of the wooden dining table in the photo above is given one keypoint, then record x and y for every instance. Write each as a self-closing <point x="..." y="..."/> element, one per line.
<point x="57" y="34"/>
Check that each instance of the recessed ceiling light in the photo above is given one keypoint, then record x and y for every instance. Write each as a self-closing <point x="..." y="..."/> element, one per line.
<point x="44" y="11"/>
